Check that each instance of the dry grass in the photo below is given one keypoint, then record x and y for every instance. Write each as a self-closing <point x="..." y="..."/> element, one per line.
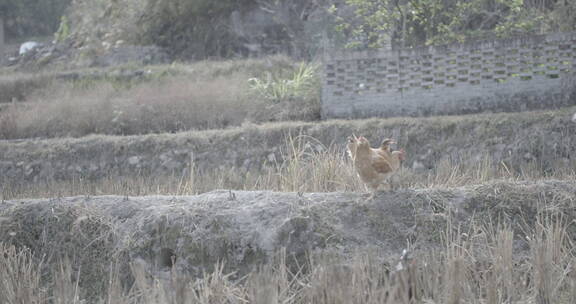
<point x="20" y="277"/>
<point x="173" y="98"/>
<point x="308" y="166"/>
<point x="480" y="265"/>
<point x="17" y="86"/>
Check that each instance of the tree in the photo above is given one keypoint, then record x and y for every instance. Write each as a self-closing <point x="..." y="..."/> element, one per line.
<point x="409" y="23"/>
<point x="293" y="16"/>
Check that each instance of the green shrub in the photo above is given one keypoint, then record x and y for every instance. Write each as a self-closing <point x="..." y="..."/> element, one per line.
<point x="63" y="30"/>
<point x="279" y="88"/>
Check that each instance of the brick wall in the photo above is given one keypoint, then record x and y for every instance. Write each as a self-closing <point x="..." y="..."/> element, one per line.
<point x="501" y="75"/>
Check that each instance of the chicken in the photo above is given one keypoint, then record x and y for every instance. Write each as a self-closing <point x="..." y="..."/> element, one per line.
<point x="374" y="166"/>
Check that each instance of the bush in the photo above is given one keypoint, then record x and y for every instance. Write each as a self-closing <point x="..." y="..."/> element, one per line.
<point x="278" y="87"/>
<point x="195" y="27"/>
<point x="25" y="18"/>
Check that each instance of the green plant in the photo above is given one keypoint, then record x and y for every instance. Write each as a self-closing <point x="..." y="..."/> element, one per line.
<point x="278" y="88"/>
<point x="403" y="23"/>
<point x="63" y="31"/>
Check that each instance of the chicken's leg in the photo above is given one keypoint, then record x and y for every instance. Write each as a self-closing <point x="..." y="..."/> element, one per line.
<point x="391" y="183"/>
<point x="374" y="191"/>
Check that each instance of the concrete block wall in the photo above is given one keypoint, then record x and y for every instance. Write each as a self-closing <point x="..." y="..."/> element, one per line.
<point x="498" y="76"/>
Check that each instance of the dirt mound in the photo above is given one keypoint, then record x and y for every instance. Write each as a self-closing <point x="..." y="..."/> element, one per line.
<point x="244" y="229"/>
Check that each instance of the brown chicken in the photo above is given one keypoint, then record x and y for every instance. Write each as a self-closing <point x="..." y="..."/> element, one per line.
<point x="374" y="166"/>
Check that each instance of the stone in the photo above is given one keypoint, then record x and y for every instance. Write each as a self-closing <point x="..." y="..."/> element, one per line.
<point x="271" y="158"/>
<point x="418" y="166"/>
<point x="134" y="160"/>
<point x="27" y="47"/>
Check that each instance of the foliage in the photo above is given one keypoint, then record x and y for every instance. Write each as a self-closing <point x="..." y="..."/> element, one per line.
<point x="276" y="88"/>
<point x="409" y="23"/>
<point x="24" y="18"/>
<point x="194" y="27"/>
<point x="63" y="30"/>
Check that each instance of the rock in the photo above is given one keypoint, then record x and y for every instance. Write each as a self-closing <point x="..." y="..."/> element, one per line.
<point x="172" y="165"/>
<point x="574" y="118"/>
<point x="246" y="164"/>
<point x="134" y="160"/>
<point x="28" y="46"/>
<point x="418" y="166"/>
<point x="271" y="158"/>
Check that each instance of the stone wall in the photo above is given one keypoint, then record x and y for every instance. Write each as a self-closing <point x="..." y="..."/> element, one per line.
<point x="501" y="75"/>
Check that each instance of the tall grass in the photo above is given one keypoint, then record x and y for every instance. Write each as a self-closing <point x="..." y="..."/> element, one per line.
<point x="169" y="105"/>
<point x="479" y="265"/>
<point x="20" y="277"/>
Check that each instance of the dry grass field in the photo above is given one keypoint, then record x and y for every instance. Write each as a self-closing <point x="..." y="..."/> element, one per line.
<point x="527" y="258"/>
<point x="526" y="254"/>
<point x="159" y="99"/>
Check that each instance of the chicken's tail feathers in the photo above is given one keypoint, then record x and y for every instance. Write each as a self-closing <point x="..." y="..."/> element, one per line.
<point x="387" y="141"/>
<point x="353" y="138"/>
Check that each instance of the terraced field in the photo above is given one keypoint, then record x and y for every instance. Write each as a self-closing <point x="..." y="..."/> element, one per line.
<point x="141" y="205"/>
